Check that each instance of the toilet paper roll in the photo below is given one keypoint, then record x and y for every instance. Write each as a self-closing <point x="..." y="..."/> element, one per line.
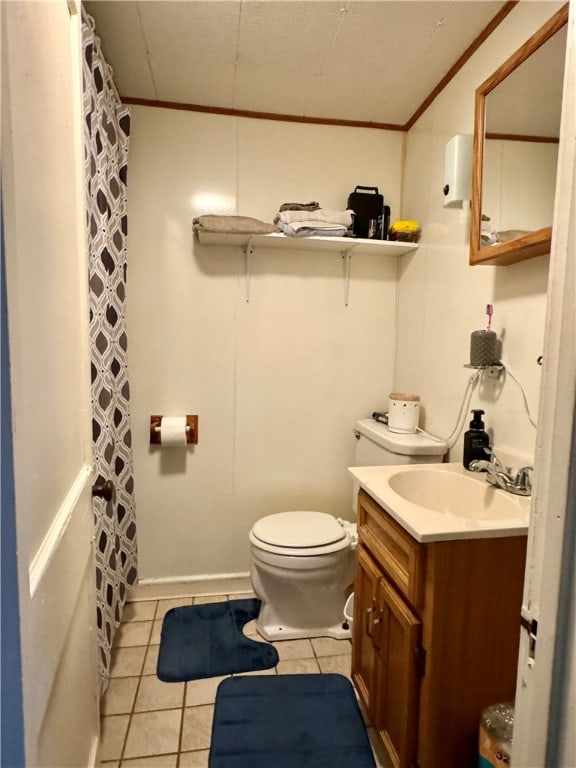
<point x="173" y="432"/>
<point x="483" y="348"/>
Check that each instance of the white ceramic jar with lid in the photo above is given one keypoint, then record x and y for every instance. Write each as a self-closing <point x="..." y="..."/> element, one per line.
<point x="403" y="412"/>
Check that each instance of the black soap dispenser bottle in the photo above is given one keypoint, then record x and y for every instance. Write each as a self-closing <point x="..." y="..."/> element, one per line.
<point x="476" y="440"/>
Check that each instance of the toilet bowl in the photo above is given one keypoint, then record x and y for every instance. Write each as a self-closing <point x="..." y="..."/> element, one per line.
<point x="302" y="563"/>
<point x="302" y="568"/>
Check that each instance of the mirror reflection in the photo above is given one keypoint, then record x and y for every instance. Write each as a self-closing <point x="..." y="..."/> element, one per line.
<point x="522" y="126"/>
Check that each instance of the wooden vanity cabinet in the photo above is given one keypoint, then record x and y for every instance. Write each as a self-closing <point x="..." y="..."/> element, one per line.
<point x="436" y="635"/>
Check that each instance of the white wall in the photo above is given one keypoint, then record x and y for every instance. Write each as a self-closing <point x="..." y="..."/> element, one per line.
<point x="442" y="299"/>
<point x="48" y="337"/>
<point x="518" y="184"/>
<point x="277" y="383"/>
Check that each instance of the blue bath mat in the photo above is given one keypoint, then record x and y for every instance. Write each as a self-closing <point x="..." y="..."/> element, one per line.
<point x="207" y="641"/>
<point x="288" y="721"/>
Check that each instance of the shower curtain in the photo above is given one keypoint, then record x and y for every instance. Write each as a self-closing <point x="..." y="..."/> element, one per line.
<point x="106" y="132"/>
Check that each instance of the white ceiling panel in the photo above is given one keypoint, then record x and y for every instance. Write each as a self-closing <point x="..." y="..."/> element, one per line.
<point x="281" y="50"/>
<point x="192" y="49"/>
<point x="118" y="26"/>
<point x="367" y="60"/>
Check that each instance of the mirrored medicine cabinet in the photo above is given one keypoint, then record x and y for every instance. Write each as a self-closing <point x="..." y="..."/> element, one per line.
<point x="516" y="136"/>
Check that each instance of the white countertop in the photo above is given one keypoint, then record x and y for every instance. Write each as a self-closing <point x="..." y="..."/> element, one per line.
<point x="462" y="506"/>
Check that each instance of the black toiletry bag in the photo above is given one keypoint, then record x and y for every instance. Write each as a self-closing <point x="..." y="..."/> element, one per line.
<point x="368" y="206"/>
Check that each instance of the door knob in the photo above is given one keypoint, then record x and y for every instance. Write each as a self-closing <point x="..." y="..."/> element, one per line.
<point x="104" y="490"/>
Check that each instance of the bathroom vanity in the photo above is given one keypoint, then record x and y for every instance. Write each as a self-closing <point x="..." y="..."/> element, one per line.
<point x="437" y="612"/>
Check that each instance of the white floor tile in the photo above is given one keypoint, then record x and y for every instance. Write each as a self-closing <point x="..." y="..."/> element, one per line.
<point x="271" y="671"/>
<point x="153" y="733"/>
<point x="154" y="694"/>
<point x="197" y="728"/>
<point x="127" y="662"/>
<point x="119" y="696"/>
<point x="143" y="610"/>
<point x="151" y="661"/>
<point x="197" y="759"/>
<point x="202" y="691"/>
<point x="166" y="605"/>
<point x="241" y="596"/>
<point x="249" y="629"/>
<point x="159" y="761"/>
<point x="340" y="665"/>
<point x="171" y="716"/>
<point x="133" y="633"/>
<point x="203" y="599"/>
<point x="294" y="649"/>
<point x="156" y="633"/>
<point x="112" y="736"/>
<point x="298" y="667"/>
<point x="329" y="646"/>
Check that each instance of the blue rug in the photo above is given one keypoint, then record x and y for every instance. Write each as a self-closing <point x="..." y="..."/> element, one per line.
<point x="288" y="721"/>
<point x="207" y="641"/>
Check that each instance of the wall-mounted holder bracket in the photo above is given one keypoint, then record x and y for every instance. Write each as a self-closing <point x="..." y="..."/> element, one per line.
<point x="247" y="250"/>
<point x="191" y="429"/>
<point x="347" y="257"/>
<point x="493" y="371"/>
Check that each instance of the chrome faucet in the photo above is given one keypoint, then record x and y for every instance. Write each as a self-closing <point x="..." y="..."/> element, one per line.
<point x="503" y="477"/>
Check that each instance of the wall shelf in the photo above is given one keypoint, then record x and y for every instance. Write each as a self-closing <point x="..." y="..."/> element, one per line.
<point x="345" y="246"/>
<point x="331" y="244"/>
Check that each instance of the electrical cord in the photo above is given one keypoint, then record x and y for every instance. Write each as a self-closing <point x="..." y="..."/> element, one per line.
<point x="524" y="396"/>
<point x="465" y="404"/>
<point x="472" y="381"/>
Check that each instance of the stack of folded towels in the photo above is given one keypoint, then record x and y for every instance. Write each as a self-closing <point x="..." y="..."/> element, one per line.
<point x="308" y="219"/>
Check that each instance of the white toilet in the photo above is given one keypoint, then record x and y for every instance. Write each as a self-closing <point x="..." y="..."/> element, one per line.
<point x="302" y="562"/>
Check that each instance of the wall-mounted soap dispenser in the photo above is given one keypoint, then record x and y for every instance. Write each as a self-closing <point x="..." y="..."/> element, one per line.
<point x="457" y="171"/>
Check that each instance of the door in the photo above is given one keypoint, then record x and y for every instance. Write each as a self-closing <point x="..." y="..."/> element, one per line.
<point x="364" y="652"/>
<point x="397" y="641"/>
<point x="544" y="722"/>
<point x="50" y="423"/>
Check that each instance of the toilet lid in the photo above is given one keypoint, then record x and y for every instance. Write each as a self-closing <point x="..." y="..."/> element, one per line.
<point x="298" y="529"/>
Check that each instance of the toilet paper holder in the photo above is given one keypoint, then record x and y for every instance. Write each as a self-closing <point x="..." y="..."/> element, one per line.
<point x="191" y="429"/>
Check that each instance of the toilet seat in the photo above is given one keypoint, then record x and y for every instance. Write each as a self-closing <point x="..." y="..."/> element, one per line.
<point x="299" y="533"/>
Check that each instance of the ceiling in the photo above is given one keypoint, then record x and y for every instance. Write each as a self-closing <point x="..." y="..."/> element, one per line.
<point x="372" y="61"/>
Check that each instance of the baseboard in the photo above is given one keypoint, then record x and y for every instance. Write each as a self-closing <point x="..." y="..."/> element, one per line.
<point x="93" y="757"/>
<point x="203" y="584"/>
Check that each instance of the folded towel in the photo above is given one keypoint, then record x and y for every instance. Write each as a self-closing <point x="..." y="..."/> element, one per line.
<point x="240" y="225"/>
<point x="310" y="229"/>
<point x="343" y="218"/>
<point x="313" y="206"/>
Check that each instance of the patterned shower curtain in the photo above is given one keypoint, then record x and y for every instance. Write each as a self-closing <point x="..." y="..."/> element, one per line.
<point x="106" y="132"/>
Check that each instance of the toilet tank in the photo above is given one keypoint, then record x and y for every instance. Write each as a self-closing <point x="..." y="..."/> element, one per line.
<point x="377" y="446"/>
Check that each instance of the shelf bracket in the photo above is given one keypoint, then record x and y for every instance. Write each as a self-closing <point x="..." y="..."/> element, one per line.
<point x="247" y="250"/>
<point x="347" y="257"/>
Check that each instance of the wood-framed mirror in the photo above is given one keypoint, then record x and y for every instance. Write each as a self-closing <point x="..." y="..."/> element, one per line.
<point x="516" y="134"/>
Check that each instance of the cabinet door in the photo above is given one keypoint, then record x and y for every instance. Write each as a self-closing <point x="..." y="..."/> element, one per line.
<point x="397" y="638"/>
<point x="364" y="652"/>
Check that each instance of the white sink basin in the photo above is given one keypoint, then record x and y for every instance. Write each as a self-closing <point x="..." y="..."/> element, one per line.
<point x="436" y="502"/>
<point x="452" y="494"/>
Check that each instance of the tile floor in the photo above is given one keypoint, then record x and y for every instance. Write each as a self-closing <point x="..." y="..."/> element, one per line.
<point x="152" y="724"/>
